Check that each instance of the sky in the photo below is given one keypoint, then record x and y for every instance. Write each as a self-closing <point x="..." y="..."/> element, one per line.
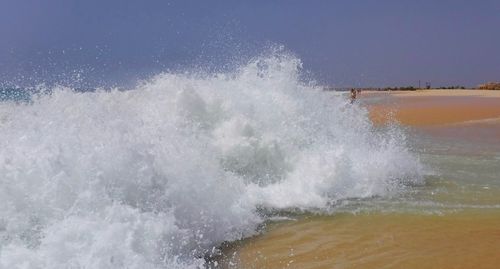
<point x="341" y="43"/>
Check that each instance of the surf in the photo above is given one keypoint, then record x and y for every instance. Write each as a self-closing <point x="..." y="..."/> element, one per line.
<point x="160" y="175"/>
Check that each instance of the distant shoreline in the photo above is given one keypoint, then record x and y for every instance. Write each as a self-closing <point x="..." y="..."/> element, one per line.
<point x="396" y="89"/>
<point x="432" y="107"/>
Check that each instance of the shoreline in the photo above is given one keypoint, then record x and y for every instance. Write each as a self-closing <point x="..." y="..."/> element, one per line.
<point x="372" y="240"/>
<point x="461" y="118"/>
<point x="440" y="92"/>
<point x="395" y="239"/>
<point x="426" y="108"/>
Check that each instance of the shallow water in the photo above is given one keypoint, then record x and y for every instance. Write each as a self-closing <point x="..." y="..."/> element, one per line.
<point x="452" y="221"/>
<point x="466" y="239"/>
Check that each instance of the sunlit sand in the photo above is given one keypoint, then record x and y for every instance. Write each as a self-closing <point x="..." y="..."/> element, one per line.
<point x="436" y="107"/>
<point x="468" y="239"/>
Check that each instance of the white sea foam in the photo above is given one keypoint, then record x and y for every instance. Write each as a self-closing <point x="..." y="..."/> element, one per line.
<point x="157" y="176"/>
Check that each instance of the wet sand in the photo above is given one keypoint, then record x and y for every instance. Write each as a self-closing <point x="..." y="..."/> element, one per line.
<point x="460" y="240"/>
<point x="448" y="115"/>
<point x="434" y="107"/>
<point x="456" y="220"/>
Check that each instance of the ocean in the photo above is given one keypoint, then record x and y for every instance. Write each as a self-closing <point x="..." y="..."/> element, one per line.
<point x="190" y="170"/>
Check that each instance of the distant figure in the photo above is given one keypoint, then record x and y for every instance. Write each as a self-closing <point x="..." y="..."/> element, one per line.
<point x="353" y="95"/>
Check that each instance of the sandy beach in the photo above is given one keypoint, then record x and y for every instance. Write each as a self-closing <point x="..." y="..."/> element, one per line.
<point x="472" y="115"/>
<point x="434" y="107"/>
<point x="375" y="241"/>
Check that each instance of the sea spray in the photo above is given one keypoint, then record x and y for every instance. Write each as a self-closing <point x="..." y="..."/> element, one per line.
<point x="160" y="175"/>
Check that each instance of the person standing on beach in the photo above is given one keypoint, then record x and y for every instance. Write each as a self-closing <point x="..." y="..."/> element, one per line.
<point x="353" y="95"/>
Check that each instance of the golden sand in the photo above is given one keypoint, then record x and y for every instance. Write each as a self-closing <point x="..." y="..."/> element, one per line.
<point x="435" y="107"/>
<point x="457" y="240"/>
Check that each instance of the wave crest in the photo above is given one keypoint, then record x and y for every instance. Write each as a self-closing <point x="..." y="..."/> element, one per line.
<point x="158" y="175"/>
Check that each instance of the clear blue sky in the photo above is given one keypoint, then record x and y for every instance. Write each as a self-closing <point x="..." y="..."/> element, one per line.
<point x="344" y="43"/>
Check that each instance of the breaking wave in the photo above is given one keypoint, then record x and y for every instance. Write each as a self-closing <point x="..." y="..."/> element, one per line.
<point x="160" y="175"/>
